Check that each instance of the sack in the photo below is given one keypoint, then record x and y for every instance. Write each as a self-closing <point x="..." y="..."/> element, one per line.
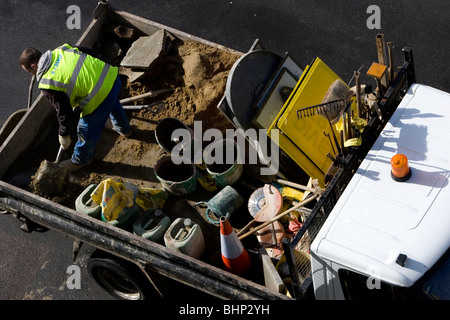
<point x="151" y="198"/>
<point x="113" y="195"/>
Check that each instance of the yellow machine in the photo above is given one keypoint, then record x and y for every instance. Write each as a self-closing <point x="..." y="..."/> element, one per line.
<point x="305" y="140"/>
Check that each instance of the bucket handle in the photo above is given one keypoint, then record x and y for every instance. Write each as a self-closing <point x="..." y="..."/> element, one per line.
<point x="201" y="203"/>
<point x="209" y="212"/>
<point x="208" y="216"/>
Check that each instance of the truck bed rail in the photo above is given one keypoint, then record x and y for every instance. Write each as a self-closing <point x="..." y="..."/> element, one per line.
<point x="128" y="246"/>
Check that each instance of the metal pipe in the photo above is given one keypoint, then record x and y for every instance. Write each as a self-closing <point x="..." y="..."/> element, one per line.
<point x="391" y="63"/>
<point x="381" y="52"/>
<point x="358" y="93"/>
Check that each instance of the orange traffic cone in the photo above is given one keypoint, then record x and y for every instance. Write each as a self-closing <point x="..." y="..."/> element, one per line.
<point x="234" y="255"/>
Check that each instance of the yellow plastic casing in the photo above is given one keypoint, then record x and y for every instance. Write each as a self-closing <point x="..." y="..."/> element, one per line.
<point x="303" y="139"/>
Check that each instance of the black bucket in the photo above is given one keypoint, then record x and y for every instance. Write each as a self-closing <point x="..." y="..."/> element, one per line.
<point x="178" y="179"/>
<point x="164" y="130"/>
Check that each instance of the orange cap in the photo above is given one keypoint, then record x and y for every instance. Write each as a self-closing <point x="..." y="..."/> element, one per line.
<point x="400" y="168"/>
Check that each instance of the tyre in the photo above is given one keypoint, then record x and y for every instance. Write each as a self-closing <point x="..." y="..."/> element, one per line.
<point x="120" y="278"/>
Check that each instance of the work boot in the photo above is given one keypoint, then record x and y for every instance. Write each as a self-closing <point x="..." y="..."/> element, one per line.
<point x="110" y="127"/>
<point x="72" y="167"/>
<point x="125" y="134"/>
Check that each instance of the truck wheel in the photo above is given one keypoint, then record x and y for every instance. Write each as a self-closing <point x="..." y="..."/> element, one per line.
<point x="120" y="278"/>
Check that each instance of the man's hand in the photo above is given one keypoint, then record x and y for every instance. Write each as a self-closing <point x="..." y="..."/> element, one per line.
<point x="65" y="142"/>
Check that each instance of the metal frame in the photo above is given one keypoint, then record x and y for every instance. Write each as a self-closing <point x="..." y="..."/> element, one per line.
<point x="389" y="103"/>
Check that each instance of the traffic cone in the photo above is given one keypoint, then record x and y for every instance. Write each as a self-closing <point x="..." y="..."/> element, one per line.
<point x="234" y="256"/>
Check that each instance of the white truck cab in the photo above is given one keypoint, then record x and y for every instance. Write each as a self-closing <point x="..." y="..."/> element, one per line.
<point x="385" y="238"/>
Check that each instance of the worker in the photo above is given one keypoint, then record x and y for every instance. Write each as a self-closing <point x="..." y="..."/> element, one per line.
<point x="75" y="82"/>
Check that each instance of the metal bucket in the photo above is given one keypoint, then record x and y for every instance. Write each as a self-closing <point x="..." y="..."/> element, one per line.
<point x="225" y="171"/>
<point x="178" y="179"/>
<point x="223" y="204"/>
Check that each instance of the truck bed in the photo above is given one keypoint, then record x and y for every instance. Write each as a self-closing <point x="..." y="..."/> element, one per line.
<point x="35" y="139"/>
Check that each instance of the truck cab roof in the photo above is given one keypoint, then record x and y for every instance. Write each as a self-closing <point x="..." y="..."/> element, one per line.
<point x="378" y="219"/>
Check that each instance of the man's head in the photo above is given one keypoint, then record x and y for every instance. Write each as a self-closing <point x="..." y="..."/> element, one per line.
<point x="29" y="60"/>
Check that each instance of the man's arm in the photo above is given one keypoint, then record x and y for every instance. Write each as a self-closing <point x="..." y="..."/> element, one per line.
<point x="65" y="114"/>
<point x="61" y="102"/>
<point x="86" y="50"/>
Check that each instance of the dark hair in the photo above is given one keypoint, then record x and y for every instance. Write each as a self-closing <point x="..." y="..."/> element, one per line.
<point x="29" y="56"/>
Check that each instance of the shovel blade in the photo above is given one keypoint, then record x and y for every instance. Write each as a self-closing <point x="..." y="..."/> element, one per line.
<point x="49" y="179"/>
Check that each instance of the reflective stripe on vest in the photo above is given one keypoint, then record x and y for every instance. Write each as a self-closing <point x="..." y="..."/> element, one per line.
<point x="86" y="80"/>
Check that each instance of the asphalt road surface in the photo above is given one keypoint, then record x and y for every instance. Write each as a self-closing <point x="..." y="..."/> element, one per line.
<point x="34" y="266"/>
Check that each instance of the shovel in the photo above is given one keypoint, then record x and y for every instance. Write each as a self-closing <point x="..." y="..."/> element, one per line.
<point x="50" y="177"/>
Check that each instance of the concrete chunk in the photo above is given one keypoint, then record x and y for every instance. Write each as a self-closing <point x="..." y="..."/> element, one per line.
<point x="145" y="51"/>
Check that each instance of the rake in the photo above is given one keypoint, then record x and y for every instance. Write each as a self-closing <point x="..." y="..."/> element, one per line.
<point x="330" y="110"/>
<point x="336" y="101"/>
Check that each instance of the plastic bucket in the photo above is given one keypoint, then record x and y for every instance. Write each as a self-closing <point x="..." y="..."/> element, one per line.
<point x="221" y="159"/>
<point x="178" y="179"/>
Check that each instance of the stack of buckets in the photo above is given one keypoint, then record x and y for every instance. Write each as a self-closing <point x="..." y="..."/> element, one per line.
<point x="180" y="179"/>
<point x="183" y="235"/>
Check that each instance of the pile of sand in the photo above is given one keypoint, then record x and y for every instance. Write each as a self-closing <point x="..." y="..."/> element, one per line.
<point x="197" y="75"/>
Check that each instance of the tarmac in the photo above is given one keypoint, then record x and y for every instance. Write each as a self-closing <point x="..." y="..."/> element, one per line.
<point x="34" y="266"/>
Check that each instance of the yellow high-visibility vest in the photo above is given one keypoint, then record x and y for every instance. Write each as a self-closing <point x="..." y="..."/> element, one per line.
<point x="86" y="80"/>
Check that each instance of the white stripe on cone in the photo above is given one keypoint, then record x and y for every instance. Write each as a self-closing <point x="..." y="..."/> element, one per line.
<point x="231" y="246"/>
<point x="234" y="255"/>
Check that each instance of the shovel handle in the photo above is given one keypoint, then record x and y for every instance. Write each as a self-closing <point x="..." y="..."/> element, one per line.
<point x="58" y="157"/>
<point x="270" y="221"/>
<point x="144" y="95"/>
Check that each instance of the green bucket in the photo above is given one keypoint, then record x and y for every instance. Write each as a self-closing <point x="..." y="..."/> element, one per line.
<point x="222" y="162"/>
<point x="178" y="179"/>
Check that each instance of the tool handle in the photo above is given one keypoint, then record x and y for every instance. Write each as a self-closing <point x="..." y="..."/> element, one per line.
<point x="30" y="91"/>
<point x="58" y="157"/>
<point x="301" y="204"/>
<point x="144" y="95"/>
